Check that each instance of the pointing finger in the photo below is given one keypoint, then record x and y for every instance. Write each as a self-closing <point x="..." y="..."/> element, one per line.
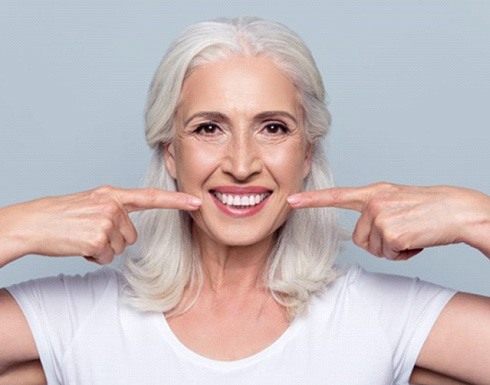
<point x="353" y="198"/>
<point x="152" y="198"/>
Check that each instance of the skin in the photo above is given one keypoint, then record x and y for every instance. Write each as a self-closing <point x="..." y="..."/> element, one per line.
<point x="398" y="222"/>
<point x="243" y="145"/>
<point x="253" y="128"/>
<point x="94" y="224"/>
<point x="236" y="101"/>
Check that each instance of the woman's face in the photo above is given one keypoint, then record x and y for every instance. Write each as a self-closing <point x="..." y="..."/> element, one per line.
<point x="240" y="146"/>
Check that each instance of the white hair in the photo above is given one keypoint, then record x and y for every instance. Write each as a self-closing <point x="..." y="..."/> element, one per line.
<point x="167" y="262"/>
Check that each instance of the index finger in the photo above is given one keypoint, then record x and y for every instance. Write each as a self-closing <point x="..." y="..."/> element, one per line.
<point x="153" y="198"/>
<point x="351" y="198"/>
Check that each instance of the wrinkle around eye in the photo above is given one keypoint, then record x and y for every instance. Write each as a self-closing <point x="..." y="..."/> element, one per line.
<point x="284" y="131"/>
<point x="208" y="132"/>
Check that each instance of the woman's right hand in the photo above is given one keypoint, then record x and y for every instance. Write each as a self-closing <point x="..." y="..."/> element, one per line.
<point x="94" y="224"/>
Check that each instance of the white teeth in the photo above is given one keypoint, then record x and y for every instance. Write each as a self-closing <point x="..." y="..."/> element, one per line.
<point x="240" y="200"/>
<point x="228" y="200"/>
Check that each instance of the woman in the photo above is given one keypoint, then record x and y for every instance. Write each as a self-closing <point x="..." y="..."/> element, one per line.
<point x="235" y="283"/>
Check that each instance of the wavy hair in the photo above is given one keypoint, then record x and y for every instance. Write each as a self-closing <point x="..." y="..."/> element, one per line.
<point x="167" y="262"/>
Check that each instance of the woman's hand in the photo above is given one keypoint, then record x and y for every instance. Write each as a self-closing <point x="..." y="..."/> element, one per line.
<point x="94" y="224"/>
<point x="397" y="222"/>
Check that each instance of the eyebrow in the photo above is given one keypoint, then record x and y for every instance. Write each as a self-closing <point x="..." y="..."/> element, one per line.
<point x="272" y="114"/>
<point x="220" y="117"/>
<point x="208" y="115"/>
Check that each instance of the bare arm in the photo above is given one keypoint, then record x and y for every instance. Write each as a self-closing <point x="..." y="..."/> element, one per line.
<point x="28" y="373"/>
<point x="16" y="339"/>
<point x="459" y="343"/>
<point x="32" y="373"/>
<point x="398" y="222"/>
<point x="421" y="376"/>
<point x="94" y="224"/>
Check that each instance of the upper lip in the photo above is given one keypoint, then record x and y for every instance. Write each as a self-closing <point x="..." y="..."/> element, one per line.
<point x="238" y="190"/>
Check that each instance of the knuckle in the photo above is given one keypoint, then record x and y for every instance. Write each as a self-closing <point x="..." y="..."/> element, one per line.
<point x="383" y="191"/>
<point x="356" y="239"/>
<point x="359" y="240"/>
<point x="118" y="249"/>
<point x="384" y="186"/>
<point x="152" y="195"/>
<point x="394" y="240"/>
<point x="381" y="223"/>
<point x="105" y="259"/>
<point x="104" y="226"/>
<point x="98" y="243"/>
<point x="99" y="192"/>
<point x="111" y="209"/>
<point x="104" y="190"/>
<point x="390" y="254"/>
<point x="132" y="237"/>
<point x="336" y="196"/>
<point x="373" y="207"/>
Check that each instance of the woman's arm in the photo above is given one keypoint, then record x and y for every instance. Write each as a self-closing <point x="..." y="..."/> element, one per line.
<point x="459" y="342"/>
<point x="16" y="340"/>
<point x="94" y="224"/>
<point x="398" y="222"/>
<point x="28" y="373"/>
<point x="421" y="376"/>
<point x="32" y="373"/>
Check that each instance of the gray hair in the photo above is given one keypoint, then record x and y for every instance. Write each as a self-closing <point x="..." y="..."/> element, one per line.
<point x="167" y="262"/>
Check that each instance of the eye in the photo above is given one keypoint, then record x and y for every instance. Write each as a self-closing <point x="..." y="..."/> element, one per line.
<point x="207" y="129"/>
<point x="276" y="128"/>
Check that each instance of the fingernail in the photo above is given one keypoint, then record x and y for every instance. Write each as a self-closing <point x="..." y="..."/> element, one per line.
<point x="193" y="201"/>
<point x="294" y="200"/>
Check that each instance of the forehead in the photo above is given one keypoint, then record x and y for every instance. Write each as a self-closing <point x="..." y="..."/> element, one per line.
<point x="248" y="84"/>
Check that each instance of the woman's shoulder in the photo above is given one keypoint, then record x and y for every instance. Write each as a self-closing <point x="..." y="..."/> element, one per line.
<point x="356" y="276"/>
<point x="71" y="291"/>
<point x="358" y="286"/>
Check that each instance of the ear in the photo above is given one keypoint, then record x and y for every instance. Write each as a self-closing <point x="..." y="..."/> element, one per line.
<point x="169" y="155"/>
<point x="308" y="160"/>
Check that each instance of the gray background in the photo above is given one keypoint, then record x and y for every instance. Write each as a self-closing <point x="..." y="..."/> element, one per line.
<point x="409" y="85"/>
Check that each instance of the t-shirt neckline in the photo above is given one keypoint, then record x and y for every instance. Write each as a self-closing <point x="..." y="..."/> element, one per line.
<point x="201" y="360"/>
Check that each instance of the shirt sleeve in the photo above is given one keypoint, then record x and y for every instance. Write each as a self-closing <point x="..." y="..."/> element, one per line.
<point x="406" y="309"/>
<point x="57" y="307"/>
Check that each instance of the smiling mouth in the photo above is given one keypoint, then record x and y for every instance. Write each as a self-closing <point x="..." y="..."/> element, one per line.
<point x="240" y="200"/>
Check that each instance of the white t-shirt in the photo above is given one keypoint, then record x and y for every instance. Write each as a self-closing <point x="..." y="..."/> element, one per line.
<point x="365" y="329"/>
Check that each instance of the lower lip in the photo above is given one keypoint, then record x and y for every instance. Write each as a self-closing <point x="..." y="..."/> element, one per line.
<point x="236" y="212"/>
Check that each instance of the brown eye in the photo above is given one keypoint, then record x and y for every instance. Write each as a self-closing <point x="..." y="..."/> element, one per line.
<point x="207" y="129"/>
<point x="276" y="128"/>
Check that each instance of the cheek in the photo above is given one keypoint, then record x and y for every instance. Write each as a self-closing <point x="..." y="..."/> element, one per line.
<point x="194" y="164"/>
<point x="288" y="167"/>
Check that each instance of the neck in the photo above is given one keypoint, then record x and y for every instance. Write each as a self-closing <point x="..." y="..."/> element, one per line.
<point x="236" y="268"/>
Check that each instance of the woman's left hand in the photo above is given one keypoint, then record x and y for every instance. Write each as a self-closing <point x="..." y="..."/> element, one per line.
<point x="397" y="222"/>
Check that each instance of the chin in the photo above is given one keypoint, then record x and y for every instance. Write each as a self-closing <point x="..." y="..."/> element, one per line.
<point x="243" y="241"/>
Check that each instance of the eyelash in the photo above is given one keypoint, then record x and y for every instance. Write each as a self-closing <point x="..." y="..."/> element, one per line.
<point x="281" y="126"/>
<point x="201" y="128"/>
<point x="211" y="128"/>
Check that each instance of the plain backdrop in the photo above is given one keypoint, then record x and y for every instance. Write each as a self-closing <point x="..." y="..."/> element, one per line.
<point x="408" y="84"/>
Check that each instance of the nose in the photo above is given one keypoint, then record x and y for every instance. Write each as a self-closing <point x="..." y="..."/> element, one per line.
<point x="242" y="160"/>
